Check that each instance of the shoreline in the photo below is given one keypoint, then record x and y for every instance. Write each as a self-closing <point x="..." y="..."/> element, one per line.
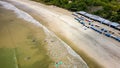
<point x="97" y="49"/>
<point x="43" y="22"/>
<point x="27" y="18"/>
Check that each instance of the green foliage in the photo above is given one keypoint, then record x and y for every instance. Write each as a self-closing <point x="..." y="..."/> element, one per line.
<point x="110" y="8"/>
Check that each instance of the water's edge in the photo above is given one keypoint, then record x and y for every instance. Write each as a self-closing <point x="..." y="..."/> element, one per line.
<point x="29" y="18"/>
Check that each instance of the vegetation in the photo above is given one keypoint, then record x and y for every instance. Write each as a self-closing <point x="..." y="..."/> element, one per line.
<point x="109" y="9"/>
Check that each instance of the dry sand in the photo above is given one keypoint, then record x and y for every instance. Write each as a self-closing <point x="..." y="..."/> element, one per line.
<point x="102" y="49"/>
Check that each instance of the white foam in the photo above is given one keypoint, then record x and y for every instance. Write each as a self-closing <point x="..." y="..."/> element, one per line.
<point x="23" y="15"/>
<point x="29" y="18"/>
<point x="20" y="13"/>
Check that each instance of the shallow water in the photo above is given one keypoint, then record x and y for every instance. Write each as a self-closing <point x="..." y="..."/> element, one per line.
<point x="16" y="39"/>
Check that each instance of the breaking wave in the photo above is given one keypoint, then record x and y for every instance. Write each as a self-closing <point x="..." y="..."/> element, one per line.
<point x="20" y="13"/>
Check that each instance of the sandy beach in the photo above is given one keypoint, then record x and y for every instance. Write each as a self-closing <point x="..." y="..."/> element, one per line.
<point x="102" y="50"/>
<point x="44" y="48"/>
